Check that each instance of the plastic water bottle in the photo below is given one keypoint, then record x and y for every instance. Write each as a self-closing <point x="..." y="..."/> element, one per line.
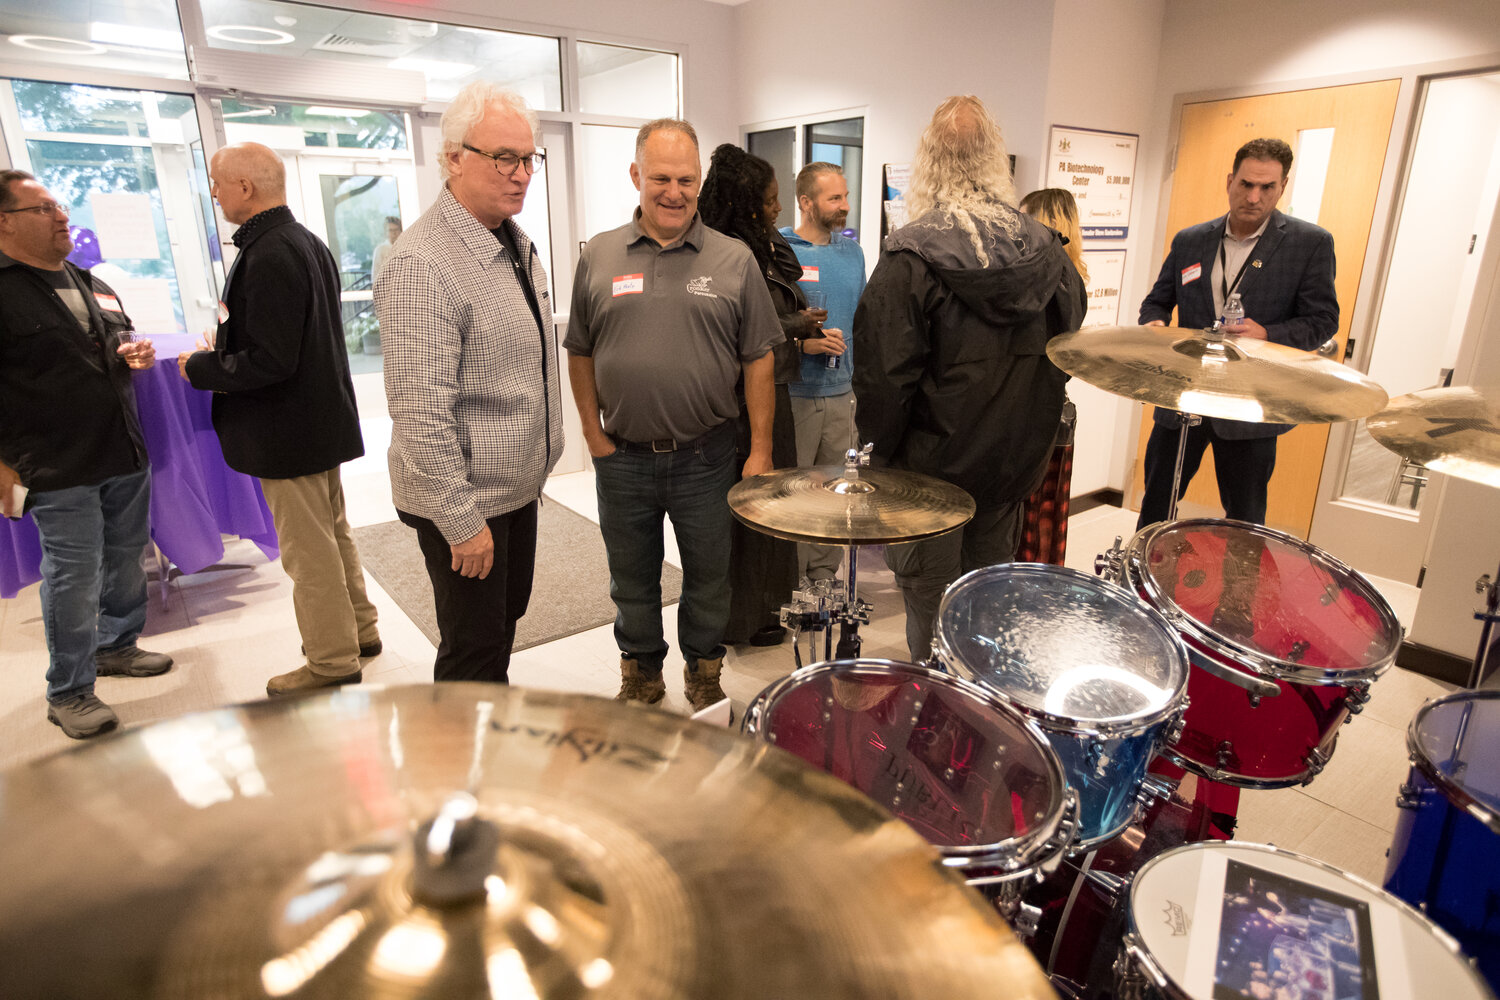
<point x="1234" y="310"/>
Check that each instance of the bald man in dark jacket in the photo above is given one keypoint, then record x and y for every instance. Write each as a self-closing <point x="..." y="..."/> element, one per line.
<point x="284" y="409"/>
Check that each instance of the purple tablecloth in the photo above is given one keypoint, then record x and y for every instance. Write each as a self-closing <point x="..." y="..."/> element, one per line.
<point x="195" y="497"/>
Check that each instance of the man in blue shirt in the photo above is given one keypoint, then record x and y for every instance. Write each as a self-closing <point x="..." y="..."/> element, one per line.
<point x="833" y="276"/>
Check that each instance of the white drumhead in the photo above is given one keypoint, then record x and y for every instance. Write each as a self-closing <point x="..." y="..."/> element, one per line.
<point x="1222" y="921"/>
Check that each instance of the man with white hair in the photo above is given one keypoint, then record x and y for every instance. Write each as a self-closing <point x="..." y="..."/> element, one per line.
<point x="471" y="376"/>
<point x="953" y="379"/>
<point x="284" y="409"/>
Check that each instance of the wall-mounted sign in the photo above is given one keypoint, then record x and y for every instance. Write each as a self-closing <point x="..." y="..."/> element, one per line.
<point x="1106" y="275"/>
<point x="1099" y="169"/>
<point x="896" y="178"/>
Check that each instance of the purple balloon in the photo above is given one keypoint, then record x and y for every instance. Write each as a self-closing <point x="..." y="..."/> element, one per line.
<point x="85" y="248"/>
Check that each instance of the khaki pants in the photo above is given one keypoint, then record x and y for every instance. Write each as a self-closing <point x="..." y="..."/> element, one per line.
<point x="825" y="429"/>
<point x="334" y="614"/>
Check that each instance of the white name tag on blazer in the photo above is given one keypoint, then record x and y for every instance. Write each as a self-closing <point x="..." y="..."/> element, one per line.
<point x="107" y="302"/>
<point x="223" y="312"/>
<point x="1192" y="273"/>
<point x="630" y="284"/>
<point x="809" y="274"/>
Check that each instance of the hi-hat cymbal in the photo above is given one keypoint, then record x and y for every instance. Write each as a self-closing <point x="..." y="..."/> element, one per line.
<point x="607" y="851"/>
<point x="822" y="504"/>
<point x="1238" y="378"/>
<point x="1454" y="431"/>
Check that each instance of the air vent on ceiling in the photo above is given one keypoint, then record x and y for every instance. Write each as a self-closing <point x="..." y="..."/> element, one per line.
<point x="362" y="46"/>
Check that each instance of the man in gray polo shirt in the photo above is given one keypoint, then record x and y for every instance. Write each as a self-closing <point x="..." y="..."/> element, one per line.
<point x="667" y="314"/>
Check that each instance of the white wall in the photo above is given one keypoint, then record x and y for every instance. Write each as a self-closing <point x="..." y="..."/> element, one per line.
<point x="1034" y="65"/>
<point x="1085" y="91"/>
<point x="901" y="59"/>
<point x="1455" y="147"/>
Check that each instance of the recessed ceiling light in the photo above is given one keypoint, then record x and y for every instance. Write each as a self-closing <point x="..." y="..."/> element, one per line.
<point x="245" y="34"/>
<point x="61" y="46"/>
<point x="136" y="37"/>
<point x="433" y="69"/>
<point x="325" y="111"/>
<point x="284" y="21"/>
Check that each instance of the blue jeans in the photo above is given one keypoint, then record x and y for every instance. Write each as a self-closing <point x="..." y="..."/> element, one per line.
<point x="691" y="486"/>
<point x="93" y="585"/>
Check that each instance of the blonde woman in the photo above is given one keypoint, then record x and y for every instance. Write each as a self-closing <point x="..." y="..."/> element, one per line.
<point x="1055" y="207"/>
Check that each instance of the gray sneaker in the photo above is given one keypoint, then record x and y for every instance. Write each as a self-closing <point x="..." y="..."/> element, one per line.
<point x="130" y="661"/>
<point x="82" y="716"/>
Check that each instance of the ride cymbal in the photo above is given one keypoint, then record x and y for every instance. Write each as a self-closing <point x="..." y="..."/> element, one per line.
<point x="1454" y="431"/>
<point x="826" y="505"/>
<point x="1236" y="378"/>
<point x="468" y="840"/>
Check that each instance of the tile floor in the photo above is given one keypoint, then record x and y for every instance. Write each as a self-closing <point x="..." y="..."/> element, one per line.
<point x="231" y="627"/>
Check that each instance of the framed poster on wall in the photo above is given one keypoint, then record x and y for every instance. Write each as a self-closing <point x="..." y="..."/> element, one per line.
<point x="1098" y="167"/>
<point x="1106" y="274"/>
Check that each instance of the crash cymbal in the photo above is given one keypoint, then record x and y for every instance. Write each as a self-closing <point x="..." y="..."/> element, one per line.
<point x="1454" y="431"/>
<point x="1237" y="378"/>
<point x="825" y="504"/>
<point x="468" y="840"/>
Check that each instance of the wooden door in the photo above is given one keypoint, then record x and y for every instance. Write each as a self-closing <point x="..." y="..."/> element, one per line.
<point x="1211" y="131"/>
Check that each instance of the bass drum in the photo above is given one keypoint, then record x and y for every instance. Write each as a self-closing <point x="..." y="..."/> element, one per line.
<point x="1285" y="640"/>
<point x="1225" y="921"/>
<point x="1445" y="856"/>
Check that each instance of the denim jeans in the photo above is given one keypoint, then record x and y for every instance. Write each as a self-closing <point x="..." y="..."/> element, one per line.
<point x="691" y="486"/>
<point x="93" y="585"/>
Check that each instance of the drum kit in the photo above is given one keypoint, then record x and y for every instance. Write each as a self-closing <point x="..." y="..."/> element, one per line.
<point x="1038" y="809"/>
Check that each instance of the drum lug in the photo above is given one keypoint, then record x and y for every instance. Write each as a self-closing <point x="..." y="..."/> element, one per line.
<point x="1175" y="728"/>
<point x="1359" y="696"/>
<point x="1407" y="796"/>
<point x="1025" y="918"/>
<point x="1111" y="565"/>
<point x="1224" y="754"/>
<point x="1317" y="758"/>
<point x="1155" y="788"/>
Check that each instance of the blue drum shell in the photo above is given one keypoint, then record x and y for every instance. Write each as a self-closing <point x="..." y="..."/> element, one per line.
<point x="1106" y="772"/>
<point x="1447" y="863"/>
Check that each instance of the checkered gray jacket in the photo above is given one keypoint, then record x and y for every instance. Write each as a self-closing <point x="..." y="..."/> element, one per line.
<point x="472" y="382"/>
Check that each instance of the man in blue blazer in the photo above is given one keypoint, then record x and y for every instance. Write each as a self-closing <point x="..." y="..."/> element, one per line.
<point x="1283" y="269"/>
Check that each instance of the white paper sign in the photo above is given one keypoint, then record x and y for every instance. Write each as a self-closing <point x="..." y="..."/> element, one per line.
<point x="125" y="227"/>
<point x="1099" y="169"/>
<point x="1106" y="275"/>
<point x="148" y="303"/>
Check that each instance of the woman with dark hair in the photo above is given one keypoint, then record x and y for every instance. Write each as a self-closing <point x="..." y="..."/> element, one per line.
<point x="740" y="198"/>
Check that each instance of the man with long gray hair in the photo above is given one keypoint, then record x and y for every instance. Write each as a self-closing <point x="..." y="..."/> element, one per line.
<point x="471" y="376"/>
<point x="953" y="379"/>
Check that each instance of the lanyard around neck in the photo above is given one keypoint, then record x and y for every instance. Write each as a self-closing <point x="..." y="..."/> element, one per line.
<point x="1224" y="270"/>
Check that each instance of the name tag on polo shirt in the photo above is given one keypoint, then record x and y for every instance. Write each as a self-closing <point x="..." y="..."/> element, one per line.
<point x="1192" y="273"/>
<point x="809" y="274"/>
<point x="629" y="284"/>
<point x="107" y="302"/>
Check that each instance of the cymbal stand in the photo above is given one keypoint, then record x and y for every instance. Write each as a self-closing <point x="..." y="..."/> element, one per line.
<point x="826" y="602"/>
<point x="1484" y="657"/>
<point x="1188" y="420"/>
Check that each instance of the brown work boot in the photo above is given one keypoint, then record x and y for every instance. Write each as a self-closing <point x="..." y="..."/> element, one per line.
<point x="302" y="679"/>
<point x="636" y="686"/>
<point x="700" y="682"/>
